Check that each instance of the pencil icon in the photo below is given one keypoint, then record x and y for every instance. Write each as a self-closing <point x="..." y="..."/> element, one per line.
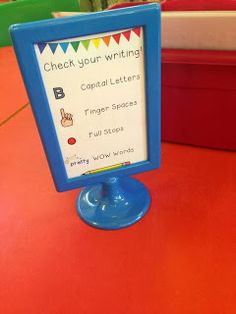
<point x="107" y="168"/>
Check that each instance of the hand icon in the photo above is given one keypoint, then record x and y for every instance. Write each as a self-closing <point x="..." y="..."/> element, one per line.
<point x="66" y="119"/>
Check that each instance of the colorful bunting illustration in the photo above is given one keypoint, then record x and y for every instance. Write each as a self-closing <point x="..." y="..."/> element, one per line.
<point x="86" y="43"/>
<point x="53" y="47"/>
<point x="96" y="41"/>
<point x="106" y="40"/>
<point x="75" y="45"/>
<point x="127" y="34"/>
<point x="137" y="31"/>
<point x="42" y="46"/>
<point x="117" y="37"/>
<point x="64" y="46"/>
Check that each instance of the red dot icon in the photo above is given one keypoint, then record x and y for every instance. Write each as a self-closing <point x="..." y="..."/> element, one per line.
<point x="71" y="141"/>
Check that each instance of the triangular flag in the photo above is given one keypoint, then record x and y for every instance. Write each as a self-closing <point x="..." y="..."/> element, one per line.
<point x="127" y="34"/>
<point x="75" y="45"/>
<point x="117" y="37"/>
<point x="86" y="43"/>
<point x="96" y="42"/>
<point x="64" y="46"/>
<point x="42" y="46"/>
<point x="137" y="31"/>
<point x="53" y="47"/>
<point x="106" y="40"/>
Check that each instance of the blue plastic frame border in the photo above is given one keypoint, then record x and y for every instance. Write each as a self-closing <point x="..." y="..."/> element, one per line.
<point x="24" y="36"/>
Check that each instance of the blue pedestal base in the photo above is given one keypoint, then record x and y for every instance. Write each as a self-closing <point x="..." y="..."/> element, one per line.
<point x="116" y="203"/>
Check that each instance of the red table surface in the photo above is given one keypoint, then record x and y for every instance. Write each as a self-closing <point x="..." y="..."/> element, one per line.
<point x="180" y="258"/>
<point x="12" y="91"/>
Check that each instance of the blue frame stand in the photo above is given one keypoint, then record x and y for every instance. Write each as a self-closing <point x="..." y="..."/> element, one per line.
<point x="119" y="201"/>
<point x="116" y="203"/>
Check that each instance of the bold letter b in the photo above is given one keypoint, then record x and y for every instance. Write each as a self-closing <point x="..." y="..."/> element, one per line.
<point x="58" y="92"/>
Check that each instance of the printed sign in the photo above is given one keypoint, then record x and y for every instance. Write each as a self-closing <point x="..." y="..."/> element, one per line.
<point x="95" y="87"/>
<point x="93" y="82"/>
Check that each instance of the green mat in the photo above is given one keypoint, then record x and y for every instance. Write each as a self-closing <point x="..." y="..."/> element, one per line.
<point x="98" y="5"/>
<point x="21" y="11"/>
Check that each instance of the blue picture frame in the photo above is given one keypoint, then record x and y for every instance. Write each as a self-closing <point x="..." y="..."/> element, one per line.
<point x="24" y="36"/>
